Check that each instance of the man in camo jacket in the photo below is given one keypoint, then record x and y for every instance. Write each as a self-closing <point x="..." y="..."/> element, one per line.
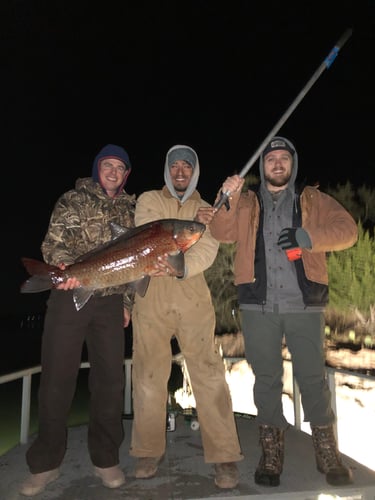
<point x="79" y="223"/>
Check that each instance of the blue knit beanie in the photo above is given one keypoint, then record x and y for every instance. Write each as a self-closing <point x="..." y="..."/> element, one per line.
<point x="110" y="151"/>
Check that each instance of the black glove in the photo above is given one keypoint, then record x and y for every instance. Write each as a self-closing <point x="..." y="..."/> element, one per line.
<point x="292" y="237"/>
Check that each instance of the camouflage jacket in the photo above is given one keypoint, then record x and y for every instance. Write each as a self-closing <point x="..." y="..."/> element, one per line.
<point x="80" y="222"/>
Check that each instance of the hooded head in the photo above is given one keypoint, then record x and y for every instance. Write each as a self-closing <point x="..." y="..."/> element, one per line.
<point x="183" y="153"/>
<point x="280" y="143"/>
<point x="111" y="151"/>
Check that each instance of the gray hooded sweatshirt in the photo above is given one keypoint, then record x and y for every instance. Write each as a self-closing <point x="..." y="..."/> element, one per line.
<point x="184" y="153"/>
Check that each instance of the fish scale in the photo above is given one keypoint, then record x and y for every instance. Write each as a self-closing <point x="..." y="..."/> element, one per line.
<point x="126" y="261"/>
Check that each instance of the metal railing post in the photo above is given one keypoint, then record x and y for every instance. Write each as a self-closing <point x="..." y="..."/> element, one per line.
<point x="128" y="402"/>
<point x="25" y="409"/>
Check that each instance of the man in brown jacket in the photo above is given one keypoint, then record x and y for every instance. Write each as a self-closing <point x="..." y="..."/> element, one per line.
<point x="282" y="233"/>
<point x="180" y="305"/>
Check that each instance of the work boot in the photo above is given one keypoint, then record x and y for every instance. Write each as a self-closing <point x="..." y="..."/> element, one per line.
<point x="146" y="467"/>
<point x="36" y="483"/>
<point x="271" y="462"/>
<point x="112" y="477"/>
<point x="226" y="475"/>
<point x="327" y="455"/>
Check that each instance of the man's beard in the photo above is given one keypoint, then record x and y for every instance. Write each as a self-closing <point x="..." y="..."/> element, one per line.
<point x="279" y="182"/>
<point x="180" y="190"/>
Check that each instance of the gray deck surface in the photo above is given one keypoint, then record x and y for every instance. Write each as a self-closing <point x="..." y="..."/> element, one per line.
<point x="183" y="473"/>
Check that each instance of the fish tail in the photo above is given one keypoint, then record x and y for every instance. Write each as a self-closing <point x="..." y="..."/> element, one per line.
<point x="36" y="284"/>
<point x="40" y="272"/>
<point x="34" y="266"/>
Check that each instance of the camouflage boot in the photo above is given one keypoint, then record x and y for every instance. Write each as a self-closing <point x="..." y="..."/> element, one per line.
<point x="271" y="462"/>
<point x="328" y="460"/>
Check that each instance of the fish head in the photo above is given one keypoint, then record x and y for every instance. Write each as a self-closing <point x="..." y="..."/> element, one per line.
<point x="186" y="233"/>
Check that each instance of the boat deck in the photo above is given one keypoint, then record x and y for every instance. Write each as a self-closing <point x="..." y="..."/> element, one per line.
<point x="183" y="474"/>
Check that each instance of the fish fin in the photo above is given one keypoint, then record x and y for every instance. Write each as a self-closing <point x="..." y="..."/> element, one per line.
<point x="40" y="280"/>
<point x="177" y="261"/>
<point x="81" y="296"/>
<point x="117" y="230"/>
<point x="36" y="284"/>
<point x="141" y="285"/>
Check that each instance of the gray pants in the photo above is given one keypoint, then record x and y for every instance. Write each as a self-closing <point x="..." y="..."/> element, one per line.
<point x="304" y="334"/>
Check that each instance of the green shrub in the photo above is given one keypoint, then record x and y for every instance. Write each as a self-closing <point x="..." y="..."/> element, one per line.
<point x="352" y="275"/>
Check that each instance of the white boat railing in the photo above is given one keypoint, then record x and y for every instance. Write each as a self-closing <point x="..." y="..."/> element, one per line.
<point x="27" y="374"/>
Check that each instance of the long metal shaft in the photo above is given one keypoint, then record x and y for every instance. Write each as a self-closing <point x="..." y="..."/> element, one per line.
<point x="324" y="65"/>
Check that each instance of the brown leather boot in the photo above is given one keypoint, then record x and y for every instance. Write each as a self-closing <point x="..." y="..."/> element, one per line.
<point x="146" y="467"/>
<point x="328" y="460"/>
<point x="36" y="483"/>
<point x="226" y="475"/>
<point x="112" y="477"/>
<point x="271" y="462"/>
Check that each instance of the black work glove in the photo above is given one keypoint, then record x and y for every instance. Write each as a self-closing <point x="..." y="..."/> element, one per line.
<point x="292" y="237"/>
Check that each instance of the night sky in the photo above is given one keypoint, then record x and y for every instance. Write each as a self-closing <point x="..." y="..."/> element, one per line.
<point x="148" y="75"/>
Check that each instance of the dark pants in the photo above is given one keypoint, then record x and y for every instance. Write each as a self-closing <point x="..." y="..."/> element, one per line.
<point x="100" y="324"/>
<point x="304" y="335"/>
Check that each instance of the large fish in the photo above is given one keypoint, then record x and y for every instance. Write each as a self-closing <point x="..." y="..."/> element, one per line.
<point x="127" y="258"/>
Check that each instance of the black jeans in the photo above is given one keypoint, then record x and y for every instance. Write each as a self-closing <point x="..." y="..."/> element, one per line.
<point x="100" y="324"/>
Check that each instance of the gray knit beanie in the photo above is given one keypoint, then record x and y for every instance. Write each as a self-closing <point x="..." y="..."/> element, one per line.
<point x="182" y="154"/>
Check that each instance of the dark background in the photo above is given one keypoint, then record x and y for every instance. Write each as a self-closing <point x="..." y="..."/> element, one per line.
<point x="148" y="75"/>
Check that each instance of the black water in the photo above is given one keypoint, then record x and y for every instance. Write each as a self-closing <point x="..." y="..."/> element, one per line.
<point x="21" y="340"/>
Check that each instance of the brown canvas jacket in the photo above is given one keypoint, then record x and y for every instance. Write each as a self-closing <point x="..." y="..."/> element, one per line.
<point x="327" y="222"/>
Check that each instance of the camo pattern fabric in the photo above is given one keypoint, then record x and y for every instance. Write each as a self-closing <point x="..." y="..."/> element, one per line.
<point x="79" y="223"/>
